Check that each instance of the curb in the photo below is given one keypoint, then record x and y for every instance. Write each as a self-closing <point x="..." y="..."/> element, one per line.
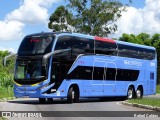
<point x="141" y="106"/>
<point x="6" y="99"/>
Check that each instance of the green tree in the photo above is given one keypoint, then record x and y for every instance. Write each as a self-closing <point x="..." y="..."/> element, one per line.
<point x="60" y="20"/>
<point x="155" y="40"/>
<point x="128" y="38"/>
<point x="141" y="38"/>
<point x="3" y="53"/>
<point x="6" y="73"/>
<point x="144" y="38"/>
<point x="94" y="17"/>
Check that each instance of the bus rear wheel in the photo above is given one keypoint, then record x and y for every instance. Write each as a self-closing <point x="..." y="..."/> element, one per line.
<point x="130" y="93"/>
<point x="139" y="93"/>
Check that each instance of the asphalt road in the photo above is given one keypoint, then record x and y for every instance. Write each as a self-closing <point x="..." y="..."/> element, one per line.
<point x="86" y="105"/>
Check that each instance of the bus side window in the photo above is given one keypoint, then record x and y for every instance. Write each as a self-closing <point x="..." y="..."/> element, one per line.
<point x="82" y="46"/>
<point x="78" y="47"/>
<point x="110" y="74"/>
<point x="152" y="75"/>
<point x="77" y="73"/>
<point x="98" y="73"/>
<point x="105" y="48"/>
<point x="88" y="73"/>
<point x="135" y="52"/>
<point x="89" y="49"/>
<point x="64" y="42"/>
<point x="99" y="47"/>
<point x="110" y="48"/>
<point x="119" y="75"/>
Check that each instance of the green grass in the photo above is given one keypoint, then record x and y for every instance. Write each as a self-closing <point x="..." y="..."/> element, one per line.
<point x="147" y="101"/>
<point x="6" y="92"/>
<point x="2" y="118"/>
<point x="158" y="89"/>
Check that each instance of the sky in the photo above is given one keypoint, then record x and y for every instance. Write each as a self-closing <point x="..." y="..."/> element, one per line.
<point x="22" y="17"/>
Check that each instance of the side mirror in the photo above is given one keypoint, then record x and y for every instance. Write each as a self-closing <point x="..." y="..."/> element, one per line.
<point x="5" y="59"/>
<point x="46" y="56"/>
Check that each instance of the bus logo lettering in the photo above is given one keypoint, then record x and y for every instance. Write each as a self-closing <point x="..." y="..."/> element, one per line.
<point x="132" y="63"/>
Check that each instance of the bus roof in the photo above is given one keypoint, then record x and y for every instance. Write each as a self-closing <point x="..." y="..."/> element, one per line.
<point x="134" y="44"/>
<point x="46" y="33"/>
<point x="91" y="37"/>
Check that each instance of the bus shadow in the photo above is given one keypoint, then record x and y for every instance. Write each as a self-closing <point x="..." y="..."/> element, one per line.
<point x="64" y="101"/>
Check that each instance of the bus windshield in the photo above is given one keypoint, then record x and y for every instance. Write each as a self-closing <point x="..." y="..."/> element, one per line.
<point x="31" y="69"/>
<point x="36" y="45"/>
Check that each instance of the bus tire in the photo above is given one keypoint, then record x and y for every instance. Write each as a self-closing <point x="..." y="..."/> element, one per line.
<point x="103" y="99"/>
<point x="130" y="93"/>
<point x="42" y="100"/>
<point x="76" y="95"/>
<point x="50" y="99"/>
<point x="139" y="93"/>
<point x="71" y="95"/>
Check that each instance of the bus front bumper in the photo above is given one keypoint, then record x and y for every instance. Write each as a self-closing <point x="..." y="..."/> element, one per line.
<point x="35" y="92"/>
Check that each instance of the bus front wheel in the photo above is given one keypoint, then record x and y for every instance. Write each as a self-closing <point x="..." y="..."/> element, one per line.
<point x="42" y="100"/>
<point x="73" y="95"/>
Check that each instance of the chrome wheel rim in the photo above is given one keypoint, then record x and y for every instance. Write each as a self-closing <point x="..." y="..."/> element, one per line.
<point x="73" y="94"/>
<point x="138" y="94"/>
<point x="130" y="94"/>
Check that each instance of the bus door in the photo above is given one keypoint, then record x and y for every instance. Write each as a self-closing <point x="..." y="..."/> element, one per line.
<point x="59" y="71"/>
<point x="54" y="74"/>
<point x="150" y="81"/>
<point x="110" y="79"/>
<point x="58" y="74"/>
<point x="98" y="78"/>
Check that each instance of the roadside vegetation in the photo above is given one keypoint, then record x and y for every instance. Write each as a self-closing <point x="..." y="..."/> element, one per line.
<point x="6" y="92"/>
<point x="158" y="89"/>
<point x="6" y="76"/>
<point x="3" y="118"/>
<point x="155" y="102"/>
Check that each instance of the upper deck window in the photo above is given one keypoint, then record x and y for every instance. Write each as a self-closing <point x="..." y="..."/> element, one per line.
<point x="36" y="45"/>
<point x="76" y="46"/>
<point x="135" y="52"/>
<point x="82" y="46"/>
<point x="63" y="42"/>
<point x="105" y="46"/>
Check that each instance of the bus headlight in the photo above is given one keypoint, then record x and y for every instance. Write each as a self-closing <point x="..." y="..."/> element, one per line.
<point x="42" y="87"/>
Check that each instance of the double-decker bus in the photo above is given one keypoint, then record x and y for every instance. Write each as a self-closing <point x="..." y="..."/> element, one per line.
<point x="71" y="65"/>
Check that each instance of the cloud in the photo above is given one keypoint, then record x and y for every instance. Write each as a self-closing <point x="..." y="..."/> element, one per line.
<point x="47" y="3"/>
<point x="32" y="11"/>
<point x="29" y="12"/>
<point x="11" y="30"/>
<point x="135" y="21"/>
